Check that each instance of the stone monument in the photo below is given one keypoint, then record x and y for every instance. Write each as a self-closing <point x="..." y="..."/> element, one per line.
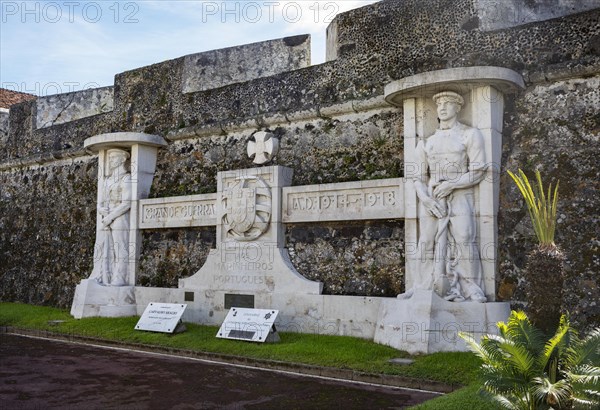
<point x="448" y="199"/>
<point x="452" y="153"/>
<point x="126" y="164"/>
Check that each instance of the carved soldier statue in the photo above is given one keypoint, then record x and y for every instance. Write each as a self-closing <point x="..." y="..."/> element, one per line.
<point x="451" y="163"/>
<point x="111" y="255"/>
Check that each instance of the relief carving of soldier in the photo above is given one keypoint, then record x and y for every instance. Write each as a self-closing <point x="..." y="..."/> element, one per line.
<point x="451" y="162"/>
<point x="111" y="254"/>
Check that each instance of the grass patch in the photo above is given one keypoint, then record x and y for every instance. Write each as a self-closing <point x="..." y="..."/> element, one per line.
<point x="465" y="398"/>
<point x="330" y="351"/>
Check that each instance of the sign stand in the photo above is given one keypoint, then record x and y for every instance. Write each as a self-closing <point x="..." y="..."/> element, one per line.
<point x="180" y="328"/>
<point x="273" y="336"/>
<point x="251" y="325"/>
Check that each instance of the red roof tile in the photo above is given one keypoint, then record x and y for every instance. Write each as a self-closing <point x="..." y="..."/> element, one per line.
<point x="10" y="97"/>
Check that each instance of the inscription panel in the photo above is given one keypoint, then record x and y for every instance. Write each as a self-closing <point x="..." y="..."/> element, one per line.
<point x="360" y="200"/>
<point x="241" y="301"/>
<point x="178" y="212"/>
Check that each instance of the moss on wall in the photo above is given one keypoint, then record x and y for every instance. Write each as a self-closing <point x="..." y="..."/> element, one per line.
<point x="47" y="231"/>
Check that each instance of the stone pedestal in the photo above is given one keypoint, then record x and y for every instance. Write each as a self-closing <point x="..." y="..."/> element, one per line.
<point x="92" y="299"/>
<point x="427" y="323"/>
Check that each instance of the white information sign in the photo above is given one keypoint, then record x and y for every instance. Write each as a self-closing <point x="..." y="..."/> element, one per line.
<point x="161" y="317"/>
<point x="252" y="325"/>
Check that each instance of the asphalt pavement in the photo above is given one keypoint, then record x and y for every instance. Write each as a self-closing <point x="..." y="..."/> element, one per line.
<point x="37" y="373"/>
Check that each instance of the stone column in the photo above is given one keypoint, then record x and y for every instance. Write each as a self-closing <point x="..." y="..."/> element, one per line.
<point x="143" y="165"/>
<point x="488" y="118"/>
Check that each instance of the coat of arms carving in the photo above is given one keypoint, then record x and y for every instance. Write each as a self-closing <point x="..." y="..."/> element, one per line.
<point x="247" y="206"/>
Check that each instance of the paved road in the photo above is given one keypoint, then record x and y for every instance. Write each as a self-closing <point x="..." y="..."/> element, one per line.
<point x="47" y="374"/>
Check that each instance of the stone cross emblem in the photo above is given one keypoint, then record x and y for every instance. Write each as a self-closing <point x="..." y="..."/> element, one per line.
<point x="264" y="147"/>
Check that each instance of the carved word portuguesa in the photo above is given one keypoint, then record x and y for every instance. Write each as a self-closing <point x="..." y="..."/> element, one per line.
<point x="180" y="211"/>
<point x="319" y="202"/>
<point x="247" y="279"/>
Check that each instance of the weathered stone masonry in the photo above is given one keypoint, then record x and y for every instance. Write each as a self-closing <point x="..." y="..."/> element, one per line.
<point x="333" y="126"/>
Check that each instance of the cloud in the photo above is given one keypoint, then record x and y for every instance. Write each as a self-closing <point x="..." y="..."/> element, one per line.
<point x="88" y="46"/>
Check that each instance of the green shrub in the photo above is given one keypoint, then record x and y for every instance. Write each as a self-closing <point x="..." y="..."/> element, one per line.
<point x="524" y="370"/>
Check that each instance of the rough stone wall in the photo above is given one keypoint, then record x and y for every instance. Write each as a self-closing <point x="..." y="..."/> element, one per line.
<point x="494" y="14"/>
<point x="46" y="230"/>
<point x="333" y="127"/>
<point x="28" y="145"/>
<point x="350" y="258"/>
<point x="554" y="127"/>
<point x="62" y="108"/>
<point x="394" y="42"/>
<point x="3" y="127"/>
<point x="217" y="68"/>
<point x="171" y="254"/>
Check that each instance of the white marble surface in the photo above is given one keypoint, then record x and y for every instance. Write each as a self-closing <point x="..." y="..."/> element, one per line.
<point x="427" y="323"/>
<point x="111" y="250"/>
<point x="345" y="201"/>
<point x="449" y="165"/>
<point x="300" y="313"/>
<point x="122" y="140"/>
<point x="178" y="212"/>
<point x="482" y="89"/>
<point x="92" y="299"/>
<point x="250" y="256"/>
<point x="264" y="147"/>
<point x="460" y="79"/>
<point x="120" y="187"/>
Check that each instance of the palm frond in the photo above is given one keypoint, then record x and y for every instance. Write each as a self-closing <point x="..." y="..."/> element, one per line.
<point x="586" y="398"/>
<point x="474" y="347"/>
<point x="521" y="370"/>
<point x="556" y="394"/>
<point x="507" y="403"/>
<point x="523" y="333"/>
<point x="557" y="343"/>
<point x="503" y="381"/>
<point x="585" y="374"/>
<point x="541" y="207"/>
<point x="588" y="349"/>
<point x="520" y="358"/>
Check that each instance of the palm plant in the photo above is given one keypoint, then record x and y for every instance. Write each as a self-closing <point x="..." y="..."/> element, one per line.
<point x="523" y="370"/>
<point x="545" y="264"/>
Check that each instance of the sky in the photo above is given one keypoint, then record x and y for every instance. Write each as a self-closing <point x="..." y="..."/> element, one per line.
<point x="52" y="47"/>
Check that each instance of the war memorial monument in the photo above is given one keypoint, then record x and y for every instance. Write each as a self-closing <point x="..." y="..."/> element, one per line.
<point x="365" y="196"/>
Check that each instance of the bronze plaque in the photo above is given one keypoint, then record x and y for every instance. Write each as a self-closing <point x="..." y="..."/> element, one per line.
<point x="240" y="301"/>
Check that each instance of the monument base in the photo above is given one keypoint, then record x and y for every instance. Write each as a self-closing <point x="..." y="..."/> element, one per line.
<point x="268" y="271"/>
<point x="94" y="300"/>
<point x="298" y="313"/>
<point x="426" y="323"/>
